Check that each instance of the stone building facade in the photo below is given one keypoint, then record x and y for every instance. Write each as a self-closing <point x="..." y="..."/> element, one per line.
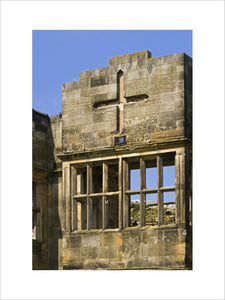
<point x="135" y="115"/>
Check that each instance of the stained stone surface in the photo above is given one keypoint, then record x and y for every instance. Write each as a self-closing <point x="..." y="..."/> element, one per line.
<point x="158" y="102"/>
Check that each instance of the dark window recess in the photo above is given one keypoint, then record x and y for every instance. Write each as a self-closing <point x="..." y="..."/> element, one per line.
<point x="120" y="140"/>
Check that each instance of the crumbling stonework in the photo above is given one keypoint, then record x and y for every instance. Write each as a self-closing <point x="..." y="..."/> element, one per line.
<point x="134" y="114"/>
<point x="47" y="192"/>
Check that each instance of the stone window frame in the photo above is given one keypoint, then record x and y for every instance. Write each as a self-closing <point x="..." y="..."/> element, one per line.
<point x="90" y="194"/>
<point x="36" y="215"/>
<point x="143" y="191"/>
<point x="123" y="192"/>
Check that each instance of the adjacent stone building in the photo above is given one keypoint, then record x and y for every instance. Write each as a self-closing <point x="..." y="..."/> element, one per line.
<point x="132" y="117"/>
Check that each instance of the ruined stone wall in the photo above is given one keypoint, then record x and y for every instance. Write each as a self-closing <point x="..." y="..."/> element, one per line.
<point x="40" y="243"/>
<point x="154" y="108"/>
<point x="133" y="248"/>
<point x="188" y="95"/>
<point x="149" y="100"/>
<point x="55" y="222"/>
<point x="42" y="142"/>
<point x="56" y="129"/>
<point x="47" y="191"/>
<point x="55" y="198"/>
<point x="43" y="164"/>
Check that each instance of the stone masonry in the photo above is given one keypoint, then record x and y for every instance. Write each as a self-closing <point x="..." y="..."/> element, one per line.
<point x="134" y="114"/>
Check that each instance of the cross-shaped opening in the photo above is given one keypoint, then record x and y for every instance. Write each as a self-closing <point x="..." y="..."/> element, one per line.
<point x="120" y="101"/>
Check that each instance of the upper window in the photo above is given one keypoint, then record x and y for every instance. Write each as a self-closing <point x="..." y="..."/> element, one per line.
<point x="135" y="191"/>
<point x="96" y="205"/>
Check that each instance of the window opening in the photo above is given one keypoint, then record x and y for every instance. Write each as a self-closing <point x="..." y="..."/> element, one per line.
<point x="36" y="215"/>
<point x="134" y="198"/>
<point x="96" y="212"/>
<point x="97" y="179"/>
<point x="82" y="214"/>
<point x="151" y="177"/>
<point x="168" y="170"/>
<point x="120" y="140"/>
<point x="135" y="179"/>
<point x="169" y="175"/>
<point x="82" y="181"/>
<point x="148" y="193"/>
<point x="112" y="212"/>
<point x="134" y="210"/>
<point x="169" y="195"/>
<point x="151" y="209"/>
<point x="113" y="177"/>
<point x="169" y="207"/>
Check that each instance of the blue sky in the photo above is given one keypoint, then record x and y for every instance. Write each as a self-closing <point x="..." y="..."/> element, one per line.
<point x="60" y="55"/>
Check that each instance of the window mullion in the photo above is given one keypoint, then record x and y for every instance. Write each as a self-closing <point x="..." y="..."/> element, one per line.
<point x="120" y="178"/>
<point x="159" y="185"/>
<point x="142" y="195"/>
<point x="89" y="191"/>
<point x="104" y="190"/>
<point x="126" y="202"/>
<point x="73" y="201"/>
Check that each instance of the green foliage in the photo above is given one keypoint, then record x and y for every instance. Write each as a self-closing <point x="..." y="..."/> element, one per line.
<point x="151" y="215"/>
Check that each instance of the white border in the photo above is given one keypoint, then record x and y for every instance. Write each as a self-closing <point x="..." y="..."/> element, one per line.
<point x="18" y="19"/>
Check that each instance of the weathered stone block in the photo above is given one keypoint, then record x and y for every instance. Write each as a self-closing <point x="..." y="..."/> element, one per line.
<point x="89" y="252"/>
<point x="108" y="252"/>
<point x="111" y="239"/>
<point x="92" y="240"/>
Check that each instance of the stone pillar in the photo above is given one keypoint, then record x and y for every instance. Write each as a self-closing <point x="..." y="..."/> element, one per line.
<point x="142" y="195"/>
<point x="180" y="188"/>
<point x="73" y="172"/>
<point x="104" y="190"/>
<point x="160" y="184"/>
<point x="89" y="191"/>
<point x="126" y="204"/>
<point x="120" y="178"/>
<point x="67" y="198"/>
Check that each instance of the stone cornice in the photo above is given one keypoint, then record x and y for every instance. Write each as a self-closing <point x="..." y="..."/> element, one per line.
<point x="124" y="149"/>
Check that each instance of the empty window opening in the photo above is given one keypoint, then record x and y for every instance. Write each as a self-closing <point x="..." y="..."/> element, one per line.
<point x="120" y="140"/>
<point x="35" y="224"/>
<point x="36" y="213"/>
<point x="151" y="213"/>
<point x="151" y="178"/>
<point x="169" y="196"/>
<point x="169" y="176"/>
<point x="147" y="193"/>
<point x="97" y="179"/>
<point x="168" y="171"/>
<point x="81" y="181"/>
<point x="169" y="208"/>
<point x="134" y="210"/>
<point x="96" y="209"/>
<point x="119" y="83"/>
<point x="81" y="214"/>
<point x="135" y="179"/>
<point x="151" y="198"/>
<point x="113" y="178"/>
<point x="112" y="212"/>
